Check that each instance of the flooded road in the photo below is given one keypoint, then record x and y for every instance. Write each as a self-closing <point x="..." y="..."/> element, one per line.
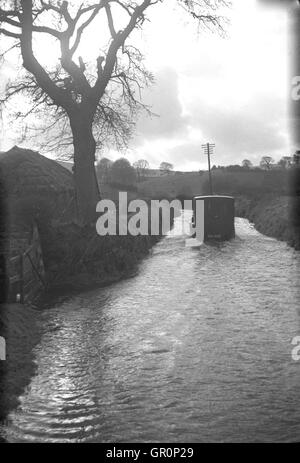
<point x="195" y="348"/>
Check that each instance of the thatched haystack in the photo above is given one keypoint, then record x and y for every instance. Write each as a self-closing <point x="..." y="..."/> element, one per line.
<point x="33" y="184"/>
<point x="37" y="195"/>
<point x="26" y="172"/>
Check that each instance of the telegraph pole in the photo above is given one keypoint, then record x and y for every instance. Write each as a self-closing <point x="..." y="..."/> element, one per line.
<point x="208" y="150"/>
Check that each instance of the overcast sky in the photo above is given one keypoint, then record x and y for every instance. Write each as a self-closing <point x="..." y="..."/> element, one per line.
<point x="230" y="91"/>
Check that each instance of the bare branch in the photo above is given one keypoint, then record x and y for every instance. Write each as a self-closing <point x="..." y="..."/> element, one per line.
<point x="108" y="92"/>
<point x="75" y="71"/>
<point x="10" y="34"/>
<point x="110" y="21"/>
<point x="59" y="96"/>
<point x="6" y="16"/>
<point x="61" y="10"/>
<point x="116" y="44"/>
<point x="95" y="10"/>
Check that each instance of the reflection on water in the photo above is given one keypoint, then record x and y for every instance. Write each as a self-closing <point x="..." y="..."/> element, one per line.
<point x="196" y="347"/>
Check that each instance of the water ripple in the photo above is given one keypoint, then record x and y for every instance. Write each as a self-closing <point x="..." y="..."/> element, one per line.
<point x="195" y="348"/>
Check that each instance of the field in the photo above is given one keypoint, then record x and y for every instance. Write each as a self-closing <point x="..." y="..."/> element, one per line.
<point x="242" y="182"/>
<point x="172" y="186"/>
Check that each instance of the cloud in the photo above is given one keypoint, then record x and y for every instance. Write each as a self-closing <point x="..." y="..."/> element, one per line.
<point x="258" y="126"/>
<point x="255" y="128"/>
<point x="232" y="92"/>
<point x="163" y="98"/>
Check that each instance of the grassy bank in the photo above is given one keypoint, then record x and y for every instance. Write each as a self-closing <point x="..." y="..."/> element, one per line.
<point x="274" y="216"/>
<point x="19" y="327"/>
<point x="77" y="258"/>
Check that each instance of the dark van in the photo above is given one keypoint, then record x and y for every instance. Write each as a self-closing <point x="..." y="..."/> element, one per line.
<point x="218" y="217"/>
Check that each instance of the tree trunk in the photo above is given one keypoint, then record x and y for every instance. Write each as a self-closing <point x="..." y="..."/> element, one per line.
<point x="86" y="185"/>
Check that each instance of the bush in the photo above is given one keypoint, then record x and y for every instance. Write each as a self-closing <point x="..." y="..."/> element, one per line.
<point x="122" y="173"/>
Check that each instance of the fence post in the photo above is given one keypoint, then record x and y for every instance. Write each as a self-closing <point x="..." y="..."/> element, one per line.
<point x="21" y="278"/>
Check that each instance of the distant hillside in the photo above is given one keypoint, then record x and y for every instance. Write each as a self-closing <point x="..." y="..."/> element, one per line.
<point x="108" y="191"/>
<point x="171" y="186"/>
<point x="242" y="182"/>
<point x="250" y="182"/>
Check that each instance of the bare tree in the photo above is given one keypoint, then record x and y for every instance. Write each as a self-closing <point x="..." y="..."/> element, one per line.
<point x="296" y="158"/>
<point x="103" y="169"/>
<point x="285" y="162"/>
<point x="141" y="166"/>
<point x="81" y="95"/>
<point x="247" y="163"/>
<point x="166" y="167"/>
<point x="266" y="162"/>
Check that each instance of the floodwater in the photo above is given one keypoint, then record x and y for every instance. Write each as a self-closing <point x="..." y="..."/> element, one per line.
<point x="195" y="348"/>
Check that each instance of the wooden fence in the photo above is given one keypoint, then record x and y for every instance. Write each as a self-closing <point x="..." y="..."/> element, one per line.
<point x="26" y="274"/>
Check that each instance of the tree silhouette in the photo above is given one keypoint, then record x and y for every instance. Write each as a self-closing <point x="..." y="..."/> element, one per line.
<point x="285" y="162"/>
<point x="85" y="96"/>
<point x="103" y="169"/>
<point x="266" y="162"/>
<point x="141" y="166"/>
<point x="166" y="167"/>
<point x="122" y="173"/>
<point x="246" y="163"/>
